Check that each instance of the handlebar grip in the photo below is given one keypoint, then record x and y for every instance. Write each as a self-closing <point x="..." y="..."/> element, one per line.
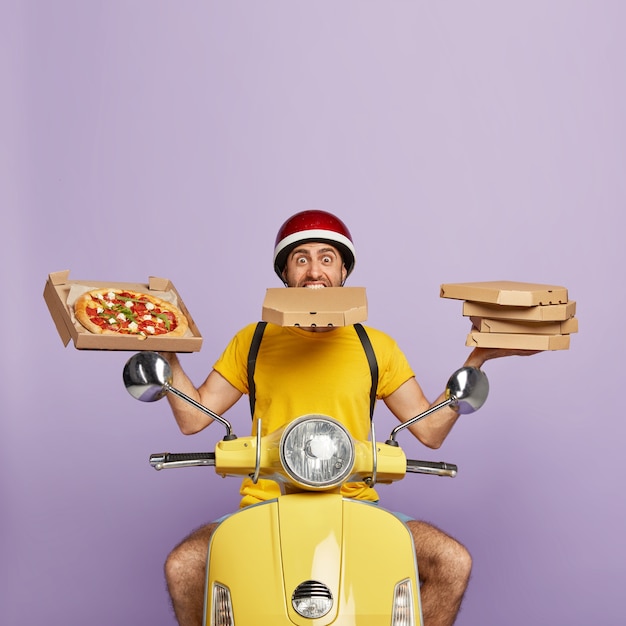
<point x="431" y="467"/>
<point x="167" y="460"/>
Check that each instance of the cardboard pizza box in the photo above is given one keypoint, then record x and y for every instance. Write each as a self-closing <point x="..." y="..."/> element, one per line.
<point x="517" y="341"/>
<point x="505" y="292"/>
<point x="532" y="328"/>
<point x="539" y="313"/>
<point x="330" y="306"/>
<point x="60" y="294"/>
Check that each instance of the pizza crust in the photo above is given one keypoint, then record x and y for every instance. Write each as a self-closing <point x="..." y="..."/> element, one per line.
<point x="100" y="298"/>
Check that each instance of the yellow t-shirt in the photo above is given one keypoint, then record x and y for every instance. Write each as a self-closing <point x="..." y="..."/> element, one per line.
<point x="299" y="372"/>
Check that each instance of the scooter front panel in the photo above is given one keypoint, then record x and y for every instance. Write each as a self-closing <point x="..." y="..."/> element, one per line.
<point x="378" y="553"/>
<point x="311" y="535"/>
<point x="355" y="549"/>
<point x="244" y="556"/>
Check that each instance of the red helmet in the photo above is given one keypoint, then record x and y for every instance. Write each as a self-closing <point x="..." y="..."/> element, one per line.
<point x="318" y="226"/>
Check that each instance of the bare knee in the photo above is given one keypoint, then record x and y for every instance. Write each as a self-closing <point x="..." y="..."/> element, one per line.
<point x="180" y="562"/>
<point x="444" y="568"/>
<point x="457" y="557"/>
<point x="452" y="562"/>
<point x="439" y="555"/>
<point x="186" y="563"/>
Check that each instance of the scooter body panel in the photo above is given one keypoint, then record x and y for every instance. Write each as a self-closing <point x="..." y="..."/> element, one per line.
<point x="359" y="551"/>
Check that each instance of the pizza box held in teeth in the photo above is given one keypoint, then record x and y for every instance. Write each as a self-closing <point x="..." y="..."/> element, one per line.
<point x="506" y="292"/>
<point x="59" y="293"/>
<point x="330" y="306"/>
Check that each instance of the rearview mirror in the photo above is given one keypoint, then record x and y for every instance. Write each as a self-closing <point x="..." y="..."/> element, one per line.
<point x="468" y="388"/>
<point x="147" y="376"/>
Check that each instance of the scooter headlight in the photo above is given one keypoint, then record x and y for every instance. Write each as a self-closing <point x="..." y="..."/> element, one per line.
<point x="317" y="451"/>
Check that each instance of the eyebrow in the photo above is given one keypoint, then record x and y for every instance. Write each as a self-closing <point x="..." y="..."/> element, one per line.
<point x="319" y="251"/>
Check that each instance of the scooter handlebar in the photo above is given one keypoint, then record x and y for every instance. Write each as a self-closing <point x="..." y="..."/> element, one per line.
<point x="166" y="460"/>
<point x="431" y="467"/>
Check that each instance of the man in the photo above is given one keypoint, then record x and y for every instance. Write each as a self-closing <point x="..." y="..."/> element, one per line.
<point x="319" y="370"/>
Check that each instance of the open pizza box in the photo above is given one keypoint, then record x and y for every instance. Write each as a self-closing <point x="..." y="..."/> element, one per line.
<point x="60" y="293"/>
<point x="331" y="306"/>
<point x="509" y="314"/>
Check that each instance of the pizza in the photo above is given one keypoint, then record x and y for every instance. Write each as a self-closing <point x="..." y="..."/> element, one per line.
<point x="125" y="312"/>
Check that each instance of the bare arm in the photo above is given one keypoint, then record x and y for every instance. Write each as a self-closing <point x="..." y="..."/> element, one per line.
<point x="408" y="401"/>
<point x="215" y="393"/>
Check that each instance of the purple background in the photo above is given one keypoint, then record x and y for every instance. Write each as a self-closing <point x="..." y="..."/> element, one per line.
<point x="460" y="141"/>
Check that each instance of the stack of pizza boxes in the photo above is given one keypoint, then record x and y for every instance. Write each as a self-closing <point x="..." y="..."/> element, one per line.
<point x="516" y="315"/>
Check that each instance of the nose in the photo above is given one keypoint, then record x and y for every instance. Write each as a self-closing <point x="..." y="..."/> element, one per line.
<point x="316" y="269"/>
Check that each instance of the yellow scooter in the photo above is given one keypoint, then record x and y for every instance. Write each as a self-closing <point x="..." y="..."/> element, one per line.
<point x="309" y="557"/>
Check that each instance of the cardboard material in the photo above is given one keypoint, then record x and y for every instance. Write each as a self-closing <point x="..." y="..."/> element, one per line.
<point x="59" y="293"/>
<point x="537" y="328"/>
<point x="518" y="341"/>
<point x="514" y="315"/>
<point x="330" y="306"/>
<point x="506" y="293"/>
<point x="540" y="313"/>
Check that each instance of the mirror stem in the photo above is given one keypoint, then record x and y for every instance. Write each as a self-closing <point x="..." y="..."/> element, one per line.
<point x="208" y="412"/>
<point x="392" y="438"/>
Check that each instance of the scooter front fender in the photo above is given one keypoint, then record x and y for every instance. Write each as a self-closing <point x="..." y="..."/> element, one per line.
<point x="359" y="551"/>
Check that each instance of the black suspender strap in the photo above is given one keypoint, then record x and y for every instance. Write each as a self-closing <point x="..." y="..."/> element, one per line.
<point x="373" y="363"/>
<point x="365" y="341"/>
<point x="252" y="354"/>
